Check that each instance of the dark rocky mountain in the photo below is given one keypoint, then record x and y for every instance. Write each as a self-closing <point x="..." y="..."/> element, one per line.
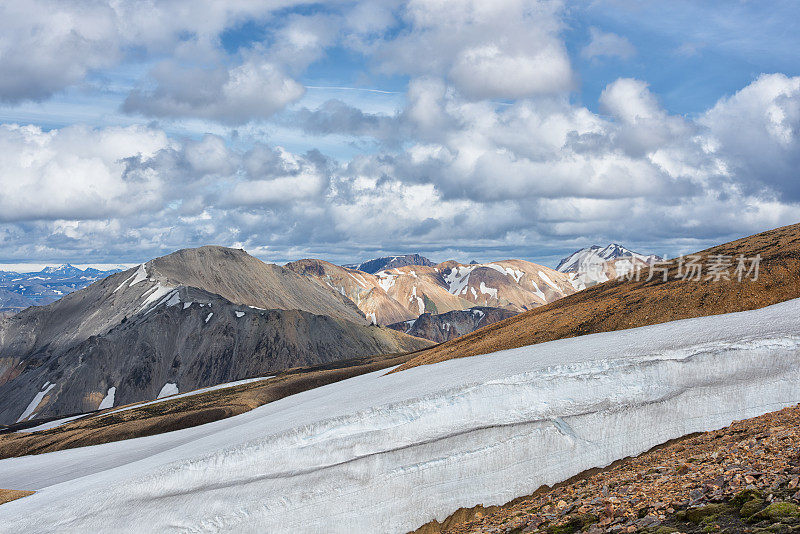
<point x="193" y="318"/>
<point x="443" y="327"/>
<point x="391" y="262"/>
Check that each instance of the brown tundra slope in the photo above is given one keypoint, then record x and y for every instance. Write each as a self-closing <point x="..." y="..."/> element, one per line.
<point x="620" y="304"/>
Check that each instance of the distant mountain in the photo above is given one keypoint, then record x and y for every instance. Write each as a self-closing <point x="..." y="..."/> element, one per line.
<point x="593" y="265"/>
<point x="49" y="284"/>
<point x="364" y="289"/>
<point x="10" y="301"/>
<point x="443" y="327"/>
<point x="399" y="294"/>
<point x="391" y="262"/>
<point x="194" y="318"/>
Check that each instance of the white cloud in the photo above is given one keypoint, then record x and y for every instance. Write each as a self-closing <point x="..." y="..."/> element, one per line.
<point x="76" y="172"/>
<point x="630" y="100"/>
<point x="607" y="44"/>
<point x="49" y="45"/>
<point x="254" y="90"/>
<point x="501" y="49"/>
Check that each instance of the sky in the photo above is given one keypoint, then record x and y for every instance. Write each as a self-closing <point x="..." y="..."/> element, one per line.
<point x="349" y="130"/>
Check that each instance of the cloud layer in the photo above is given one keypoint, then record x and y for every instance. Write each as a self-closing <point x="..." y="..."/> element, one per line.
<point x="490" y="155"/>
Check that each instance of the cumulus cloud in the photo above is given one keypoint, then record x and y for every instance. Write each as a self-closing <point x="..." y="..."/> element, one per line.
<point x="49" y="45"/>
<point x="756" y="132"/>
<point x="607" y="44"/>
<point x="452" y="169"/>
<point x="251" y="91"/>
<point x="503" y="49"/>
<point x="76" y="172"/>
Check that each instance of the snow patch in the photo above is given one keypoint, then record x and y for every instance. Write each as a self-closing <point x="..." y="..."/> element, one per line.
<point x="191" y="393"/>
<point x="37" y="399"/>
<point x="547" y="281"/>
<point x="168" y="390"/>
<point x="52" y="424"/>
<point x="108" y="400"/>
<point x="386" y="280"/>
<point x="488" y="290"/>
<point x="538" y="291"/>
<point x="239" y="314"/>
<point x="209" y="316"/>
<point x="139" y="276"/>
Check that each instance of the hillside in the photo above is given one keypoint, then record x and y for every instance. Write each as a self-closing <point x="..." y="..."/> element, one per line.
<point x="194" y="318"/>
<point x="622" y="303"/>
<point x="744" y="477"/>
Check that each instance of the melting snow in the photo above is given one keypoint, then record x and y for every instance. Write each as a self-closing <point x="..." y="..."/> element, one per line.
<point x="538" y="291"/>
<point x="386" y="280"/>
<point x="158" y="294"/>
<point x="420" y="302"/>
<point x="108" y="400"/>
<point x="167" y="390"/>
<point x="139" y="276"/>
<point x="186" y="305"/>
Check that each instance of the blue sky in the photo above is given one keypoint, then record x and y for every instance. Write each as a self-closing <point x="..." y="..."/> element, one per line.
<point x="345" y="130"/>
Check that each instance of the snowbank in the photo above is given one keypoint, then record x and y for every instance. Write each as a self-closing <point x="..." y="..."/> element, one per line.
<point x="387" y="453"/>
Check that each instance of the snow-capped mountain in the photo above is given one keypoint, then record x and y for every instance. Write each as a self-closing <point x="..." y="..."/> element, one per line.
<point x="593" y="265"/>
<point x="390" y="262"/>
<point x="45" y="286"/>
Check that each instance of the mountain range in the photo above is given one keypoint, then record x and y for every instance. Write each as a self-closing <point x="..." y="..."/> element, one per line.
<point x="203" y="316"/>
<point x="194" y="318"/>
<point x="20" y="290"/>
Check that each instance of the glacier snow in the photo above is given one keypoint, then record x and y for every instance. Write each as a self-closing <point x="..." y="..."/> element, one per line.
<point x="387" y="453"/>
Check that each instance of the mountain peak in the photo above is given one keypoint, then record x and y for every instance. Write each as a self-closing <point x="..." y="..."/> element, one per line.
<point x="391" y="262"/>
<point x="596" y="255"/>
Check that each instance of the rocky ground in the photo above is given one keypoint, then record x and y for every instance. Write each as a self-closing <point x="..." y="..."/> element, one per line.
<point x="743" y="478"/>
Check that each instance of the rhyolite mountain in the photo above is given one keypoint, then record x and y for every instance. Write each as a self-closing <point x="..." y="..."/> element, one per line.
<point x="194" y="318"/>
